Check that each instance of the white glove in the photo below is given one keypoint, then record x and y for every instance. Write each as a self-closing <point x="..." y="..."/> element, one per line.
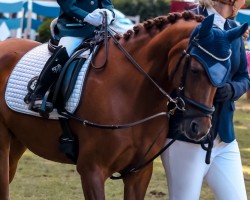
<point x="110" y="17"/>
<point x="95" y="18"/>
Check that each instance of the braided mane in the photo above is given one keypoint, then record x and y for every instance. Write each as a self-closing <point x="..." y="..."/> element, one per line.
<point x="160" y="23"/>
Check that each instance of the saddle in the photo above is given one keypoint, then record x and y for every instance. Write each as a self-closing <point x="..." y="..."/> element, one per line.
<point x="61" y="90"/>
<point x="64" y="85"/>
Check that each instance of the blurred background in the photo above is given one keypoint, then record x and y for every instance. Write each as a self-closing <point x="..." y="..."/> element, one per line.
<point x="31" y="18"/>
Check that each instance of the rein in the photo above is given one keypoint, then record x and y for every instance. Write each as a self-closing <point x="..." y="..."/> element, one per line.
<point x="98" y="39"/>
<point x="132" y="60"/>
<point x="178" y="103"/>
<point x="111" y="126"/>
<point x="127" y="172"/>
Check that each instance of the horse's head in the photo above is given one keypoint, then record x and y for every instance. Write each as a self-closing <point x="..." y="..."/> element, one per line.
<point x="206" y="65"/>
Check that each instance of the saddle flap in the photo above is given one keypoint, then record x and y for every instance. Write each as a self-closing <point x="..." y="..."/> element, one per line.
<point x="70" y="78"/>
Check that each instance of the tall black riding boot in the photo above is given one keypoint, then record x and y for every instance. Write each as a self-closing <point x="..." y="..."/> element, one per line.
<point x="48" y="75"/>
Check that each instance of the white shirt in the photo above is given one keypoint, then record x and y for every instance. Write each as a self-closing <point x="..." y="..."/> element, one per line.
<point x="218" y="19"/>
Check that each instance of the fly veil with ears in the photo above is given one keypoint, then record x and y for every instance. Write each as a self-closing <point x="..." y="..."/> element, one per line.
<point x="211" y="46"/>
<point x="215" y="58"/>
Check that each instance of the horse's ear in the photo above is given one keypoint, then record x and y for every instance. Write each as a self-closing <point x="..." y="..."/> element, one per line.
<point x="237" y="32"/>
<point x="206" y="26"/>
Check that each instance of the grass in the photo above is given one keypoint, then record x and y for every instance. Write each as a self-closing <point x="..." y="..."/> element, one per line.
<point x="39" y="179"/>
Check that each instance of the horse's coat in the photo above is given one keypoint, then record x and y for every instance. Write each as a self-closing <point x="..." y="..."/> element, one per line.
<point x="117" y="94"/>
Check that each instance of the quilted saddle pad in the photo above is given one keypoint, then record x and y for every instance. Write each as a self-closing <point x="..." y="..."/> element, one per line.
<point x="30" y="66"/>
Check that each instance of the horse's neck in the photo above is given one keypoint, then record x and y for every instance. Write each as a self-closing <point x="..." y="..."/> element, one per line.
<point x="153" y="48"/>
<point x="150" y="48"/>
<point x="154" y="43"/>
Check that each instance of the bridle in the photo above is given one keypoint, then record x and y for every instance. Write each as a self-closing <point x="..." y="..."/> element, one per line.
<point x="204" y="111"/>
<point x="178" y="103"/>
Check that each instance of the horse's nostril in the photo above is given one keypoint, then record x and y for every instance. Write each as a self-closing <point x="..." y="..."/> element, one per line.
<point x="194" y="127"/>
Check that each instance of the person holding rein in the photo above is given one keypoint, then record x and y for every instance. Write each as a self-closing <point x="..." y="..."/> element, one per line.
<point x="77" y="22"/>
<point x="184" y="160"/>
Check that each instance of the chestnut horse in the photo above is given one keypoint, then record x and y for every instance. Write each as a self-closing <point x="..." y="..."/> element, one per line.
<point x="117" y="94"/>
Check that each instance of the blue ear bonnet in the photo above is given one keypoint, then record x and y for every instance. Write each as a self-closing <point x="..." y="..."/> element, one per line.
<point x="215" y="43"/>
<point x="211" y="46"/>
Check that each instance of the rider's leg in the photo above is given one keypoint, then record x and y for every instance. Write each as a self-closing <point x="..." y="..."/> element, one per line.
<point x="70" y="43"/>
<point x="50" y="73"/>
<point x="184" y="180"/>
<point x="225" y="175"/>
<point x="225" y="171"/>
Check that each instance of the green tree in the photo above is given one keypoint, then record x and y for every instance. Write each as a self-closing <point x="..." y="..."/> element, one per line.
<point x="145" y="8"/>
<point x="44" y="31"/>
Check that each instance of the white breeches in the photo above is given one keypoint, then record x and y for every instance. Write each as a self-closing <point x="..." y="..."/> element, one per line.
<point x="70" y="43"/>
<point x="185" y="168"/>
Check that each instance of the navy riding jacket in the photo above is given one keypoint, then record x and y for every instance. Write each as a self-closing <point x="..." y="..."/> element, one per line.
<point x="72" y="14"/>
<point x="239" y="80"/>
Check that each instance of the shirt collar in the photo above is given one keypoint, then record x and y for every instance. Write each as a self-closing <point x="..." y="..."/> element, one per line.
<point x="218" y="19"/>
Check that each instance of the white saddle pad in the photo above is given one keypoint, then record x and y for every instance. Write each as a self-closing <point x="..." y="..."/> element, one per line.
<point x="30" y="66"/>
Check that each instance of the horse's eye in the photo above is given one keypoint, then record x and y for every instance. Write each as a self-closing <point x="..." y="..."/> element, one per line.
<point x="195" y="70"/>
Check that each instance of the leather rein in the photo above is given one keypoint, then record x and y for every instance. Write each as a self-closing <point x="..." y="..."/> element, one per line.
<point x="177" y="104"/>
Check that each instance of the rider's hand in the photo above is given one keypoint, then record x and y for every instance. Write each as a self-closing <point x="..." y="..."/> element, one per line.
<point x="95" y="18"/>
<point x="110" y="16"/>
<point x="224" y="93"/>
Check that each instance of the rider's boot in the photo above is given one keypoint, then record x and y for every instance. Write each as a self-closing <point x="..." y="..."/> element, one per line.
<point x="48" y="75"/>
